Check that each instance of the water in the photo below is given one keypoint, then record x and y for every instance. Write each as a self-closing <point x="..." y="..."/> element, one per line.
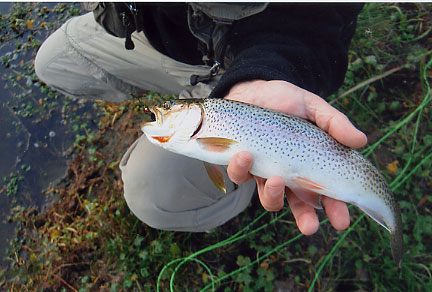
<point x="36" y="133"/>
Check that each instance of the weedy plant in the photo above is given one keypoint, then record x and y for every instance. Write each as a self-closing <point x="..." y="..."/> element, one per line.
<point x="87" y="240"/>
<point x="36" y="110"/>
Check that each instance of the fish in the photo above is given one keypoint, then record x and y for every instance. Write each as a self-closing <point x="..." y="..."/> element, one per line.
<point x="310" y="161"/>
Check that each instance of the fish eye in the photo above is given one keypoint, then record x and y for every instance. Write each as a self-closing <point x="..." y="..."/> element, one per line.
<point x="166" y="105"/>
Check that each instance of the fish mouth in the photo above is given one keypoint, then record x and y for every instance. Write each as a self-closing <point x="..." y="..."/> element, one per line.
<point x="158" y="116"/>
<point x="157" y="119"/>
<point x="155" y="115"/>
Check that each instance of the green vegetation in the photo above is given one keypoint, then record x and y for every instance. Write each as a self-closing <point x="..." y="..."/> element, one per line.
<point x="88" y="240"/>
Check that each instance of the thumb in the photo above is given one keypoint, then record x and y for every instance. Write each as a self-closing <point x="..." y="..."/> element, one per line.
<point x="334" y="122"/>
<point x="340" y="128"/>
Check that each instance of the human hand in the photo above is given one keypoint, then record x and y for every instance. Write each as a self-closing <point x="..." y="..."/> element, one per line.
<point x="285" y="97"/>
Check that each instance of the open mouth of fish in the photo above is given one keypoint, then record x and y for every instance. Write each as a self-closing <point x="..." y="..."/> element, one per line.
<point x="158" y="117"/>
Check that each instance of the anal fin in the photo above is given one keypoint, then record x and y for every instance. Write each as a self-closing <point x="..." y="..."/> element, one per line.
<point x="309" y="197"/>
<point x="308" y="191"/>
<point x="375" y="216"/>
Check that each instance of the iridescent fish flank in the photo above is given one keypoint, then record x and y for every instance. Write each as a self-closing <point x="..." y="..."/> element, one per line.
<point x="308" y="159"/>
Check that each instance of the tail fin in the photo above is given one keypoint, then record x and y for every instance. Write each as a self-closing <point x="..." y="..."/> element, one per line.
<point x="396" y="237"/>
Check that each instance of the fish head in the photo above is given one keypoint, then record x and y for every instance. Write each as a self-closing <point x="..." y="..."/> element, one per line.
<point x="174" y="123"/>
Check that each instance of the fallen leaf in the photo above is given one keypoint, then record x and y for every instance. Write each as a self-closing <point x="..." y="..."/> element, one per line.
<point x="204" y="277"/>
<point x="54" y="233"/>
<point x="30" y="23"/>
<point x="423" y="200"/>
<point x="393" y="166"/>
<point x="264" y="265"/>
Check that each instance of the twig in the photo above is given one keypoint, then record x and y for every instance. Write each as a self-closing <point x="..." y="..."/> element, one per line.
<point x="66" y="283"/>
<point x="426" y="269"/>
<point x="56" y="269"/>
<point x="367" y="82"/>
<point x="307" y="261"/>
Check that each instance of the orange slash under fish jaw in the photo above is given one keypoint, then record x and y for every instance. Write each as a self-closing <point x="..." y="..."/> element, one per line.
<point x="162" y="139"/>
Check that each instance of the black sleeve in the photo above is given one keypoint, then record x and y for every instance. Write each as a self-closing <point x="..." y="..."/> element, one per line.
<point x="304" y="44"/>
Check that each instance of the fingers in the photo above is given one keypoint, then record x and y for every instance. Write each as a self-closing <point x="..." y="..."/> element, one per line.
<point x="304" y="214"/>
<point x="307" y="219"/>
<point x="238" y="167"/>
<point x="292" y="99"/>
<point x="333" y="121"/>
<point x="340" y="128"/>
<point x="337" y="212"/>
<point x="271" y="192"/>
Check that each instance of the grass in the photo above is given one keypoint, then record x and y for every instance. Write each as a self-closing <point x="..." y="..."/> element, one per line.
<point x="87" y="240"/>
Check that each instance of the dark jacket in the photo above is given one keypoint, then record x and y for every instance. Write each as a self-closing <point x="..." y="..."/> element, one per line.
<point x="305" y="44"/>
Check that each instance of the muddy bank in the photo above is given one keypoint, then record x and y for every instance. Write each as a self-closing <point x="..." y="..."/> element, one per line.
<point x="63" y="241"/>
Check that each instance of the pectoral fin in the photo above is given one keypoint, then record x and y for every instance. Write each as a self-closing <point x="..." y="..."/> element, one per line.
<point x="216" y="144"/>
<point x="216" y="176"/>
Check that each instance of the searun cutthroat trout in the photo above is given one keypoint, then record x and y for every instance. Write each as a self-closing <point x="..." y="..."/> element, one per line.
<point x="306" y="157"/>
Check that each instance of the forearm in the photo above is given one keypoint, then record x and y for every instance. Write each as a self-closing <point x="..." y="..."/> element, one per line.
<point x="305" y="45"/>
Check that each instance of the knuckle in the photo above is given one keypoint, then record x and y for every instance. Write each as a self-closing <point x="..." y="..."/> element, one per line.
<point x="236" y="176"/>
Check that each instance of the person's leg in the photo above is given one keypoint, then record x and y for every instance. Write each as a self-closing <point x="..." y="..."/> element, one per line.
<point x="81" y="59"/>
<point x="173" y="192"/>
<point x="163" y="189"/>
